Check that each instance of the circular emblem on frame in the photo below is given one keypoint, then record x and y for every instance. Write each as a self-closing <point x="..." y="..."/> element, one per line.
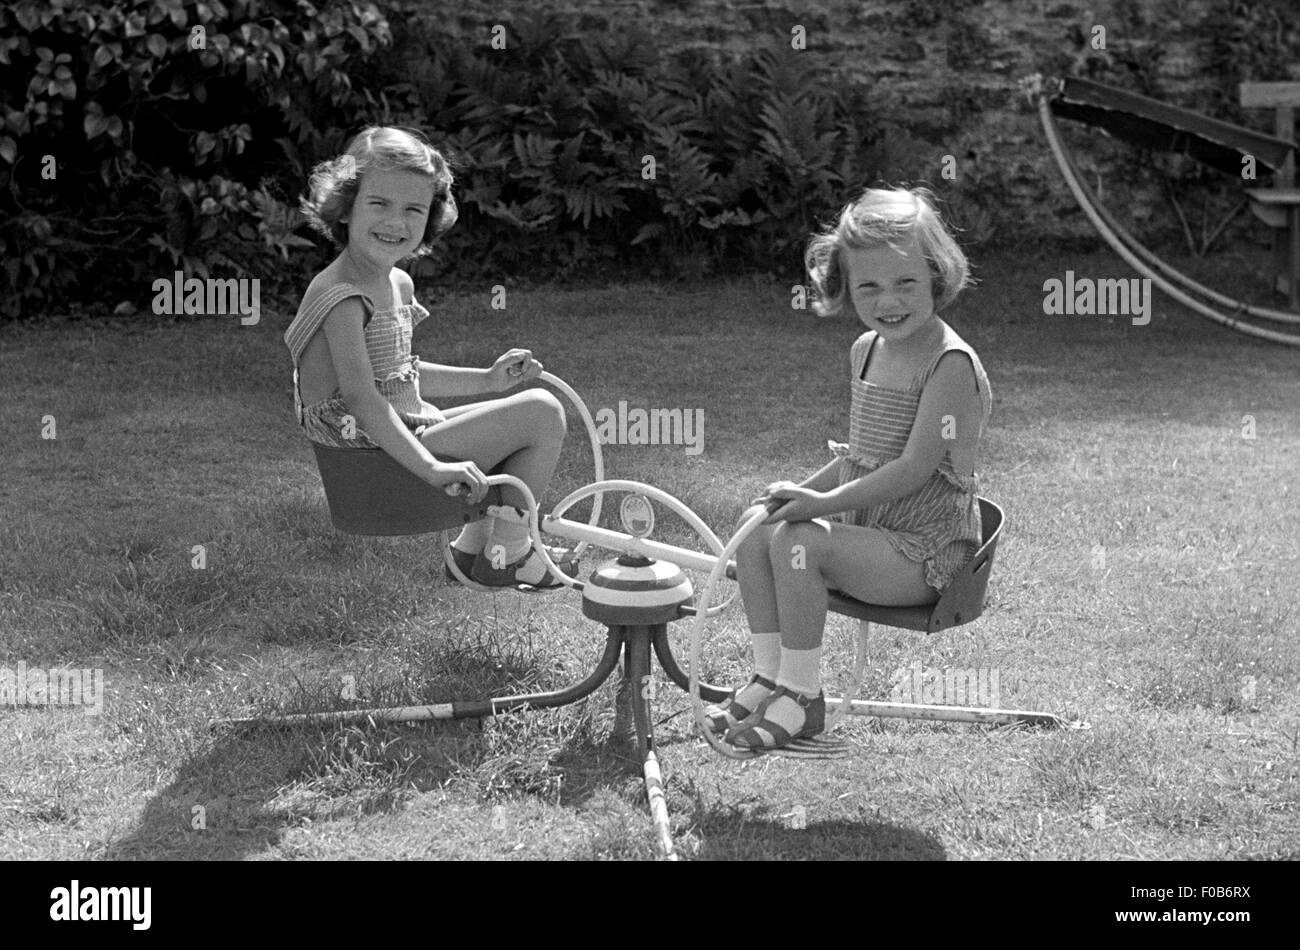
<point x="637" y="515"/>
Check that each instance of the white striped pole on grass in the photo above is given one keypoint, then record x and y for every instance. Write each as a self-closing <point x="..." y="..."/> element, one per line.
<point x="654" y="789"/>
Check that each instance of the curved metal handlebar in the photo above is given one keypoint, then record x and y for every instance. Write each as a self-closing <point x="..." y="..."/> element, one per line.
<point x="598" y="463"/>
<point x="658" y="494"/>
<point x="597" y="489"/>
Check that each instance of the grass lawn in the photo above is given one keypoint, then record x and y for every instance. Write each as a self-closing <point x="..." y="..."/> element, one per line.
<point x="1146" y="582"/>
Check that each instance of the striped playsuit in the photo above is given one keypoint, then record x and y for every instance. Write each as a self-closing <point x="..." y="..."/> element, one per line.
<point x="939" y="524"/>
<point x="388" y="344"/>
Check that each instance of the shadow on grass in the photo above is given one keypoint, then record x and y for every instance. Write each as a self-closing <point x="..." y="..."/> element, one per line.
<point x="239" y="793"/>
<point x="728" y="836"/>
<point x="591" y="768"/>
<point x="254" y="784"/>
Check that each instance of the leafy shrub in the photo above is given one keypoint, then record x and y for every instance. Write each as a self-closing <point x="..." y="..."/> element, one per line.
<point x="146" y="135"/>
<point x="578" y="149"/>
<point x="182" y="131"/>
<point x="129" y="148"/>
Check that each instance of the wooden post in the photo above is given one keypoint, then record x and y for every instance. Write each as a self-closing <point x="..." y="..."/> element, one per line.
<point x="1283" y="98"/>
<point x="1284" y="128"/>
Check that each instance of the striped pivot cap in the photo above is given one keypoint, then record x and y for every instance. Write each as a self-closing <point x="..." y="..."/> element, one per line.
<point x="633" y="590"/>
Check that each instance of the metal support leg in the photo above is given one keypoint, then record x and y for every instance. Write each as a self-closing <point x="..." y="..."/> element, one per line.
<point x="637" y="651"/>
<point x="664" y="650"/>
<point x="455" y="710"/>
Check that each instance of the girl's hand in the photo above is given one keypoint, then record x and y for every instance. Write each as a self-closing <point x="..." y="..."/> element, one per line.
<point x="767" y="495"/>
<point x="800" y="504"/>
<point x="460" y="478"/>
<point x="512" y="368"/>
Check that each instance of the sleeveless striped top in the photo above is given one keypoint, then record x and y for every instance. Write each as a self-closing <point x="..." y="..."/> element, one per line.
<point x="388" y="344"/>
<point x="939" y="524"/>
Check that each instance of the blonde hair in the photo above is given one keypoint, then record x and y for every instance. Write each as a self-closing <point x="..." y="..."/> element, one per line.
<point x="885" y="216"/>
<point x="335" y="183"/>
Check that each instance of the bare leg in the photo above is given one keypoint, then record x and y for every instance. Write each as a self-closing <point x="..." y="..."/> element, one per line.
<point x="754" y="574"/>
<point x="810" y="557"/>
<point x="525" y="431"/>
<point x="807" y="558"/>
<point x="758" y="594"/>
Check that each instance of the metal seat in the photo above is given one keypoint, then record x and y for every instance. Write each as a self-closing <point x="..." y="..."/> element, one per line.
<point x="962" y="600"/>
<point x="370" y="493"/>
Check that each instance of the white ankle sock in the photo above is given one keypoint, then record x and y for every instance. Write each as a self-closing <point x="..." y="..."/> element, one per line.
<point x="509" y="540"/>
<point x="767" y="660"/>
<point x="801" y="670"/>
<point x="767" y="654"/>
<point x="473" y="537"/>
<point x="509" y="532"/>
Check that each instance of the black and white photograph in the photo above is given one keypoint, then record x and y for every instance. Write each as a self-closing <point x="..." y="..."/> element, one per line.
<point x="657" y="431"/>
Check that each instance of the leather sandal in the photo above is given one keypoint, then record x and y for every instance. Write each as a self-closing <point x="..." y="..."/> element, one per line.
<point x="464" y="561"/>
<point x="769" y="735"/>
<point x="729" y="714"/>
<point x="490" y="576"/>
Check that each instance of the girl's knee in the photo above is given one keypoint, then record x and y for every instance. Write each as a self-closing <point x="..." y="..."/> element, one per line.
<point x="797" y="542"/>
<point x="758" y="539"/>
<point x="545" y="413"/>
<point x="749" y="513"/>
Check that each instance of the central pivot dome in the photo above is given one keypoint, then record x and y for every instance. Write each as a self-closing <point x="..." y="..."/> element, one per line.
<point x="633" y="590"/>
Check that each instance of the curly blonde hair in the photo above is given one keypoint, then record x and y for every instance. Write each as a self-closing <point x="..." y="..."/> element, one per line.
<point x="334" y="183"/>
<point x="885" y="216"/>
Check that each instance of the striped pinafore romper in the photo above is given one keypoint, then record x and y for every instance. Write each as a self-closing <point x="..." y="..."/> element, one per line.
<point x="388" y="344"/>
<point x="939" y="524"/>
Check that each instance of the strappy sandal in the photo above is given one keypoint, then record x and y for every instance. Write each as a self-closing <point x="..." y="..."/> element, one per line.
<point x="486" y="574"/>
<point x="769" y="735"/>
<point x="464" y="561"/>
<point x="730" y="714"/>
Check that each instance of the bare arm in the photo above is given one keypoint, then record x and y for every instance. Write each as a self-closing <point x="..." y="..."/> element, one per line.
<point x="817" y="483"/>
<point x="824" y="479"/>
<point x="441" y="382"/>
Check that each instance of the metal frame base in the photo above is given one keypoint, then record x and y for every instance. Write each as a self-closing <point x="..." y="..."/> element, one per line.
<point x="636" y="644"/>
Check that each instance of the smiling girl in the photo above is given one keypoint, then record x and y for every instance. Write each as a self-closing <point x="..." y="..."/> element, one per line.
<point x="356" y="382"/>
<point x="895" y="515"/>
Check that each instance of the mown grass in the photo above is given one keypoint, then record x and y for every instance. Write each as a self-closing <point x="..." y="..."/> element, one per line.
<point x="1147" y="569"/>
